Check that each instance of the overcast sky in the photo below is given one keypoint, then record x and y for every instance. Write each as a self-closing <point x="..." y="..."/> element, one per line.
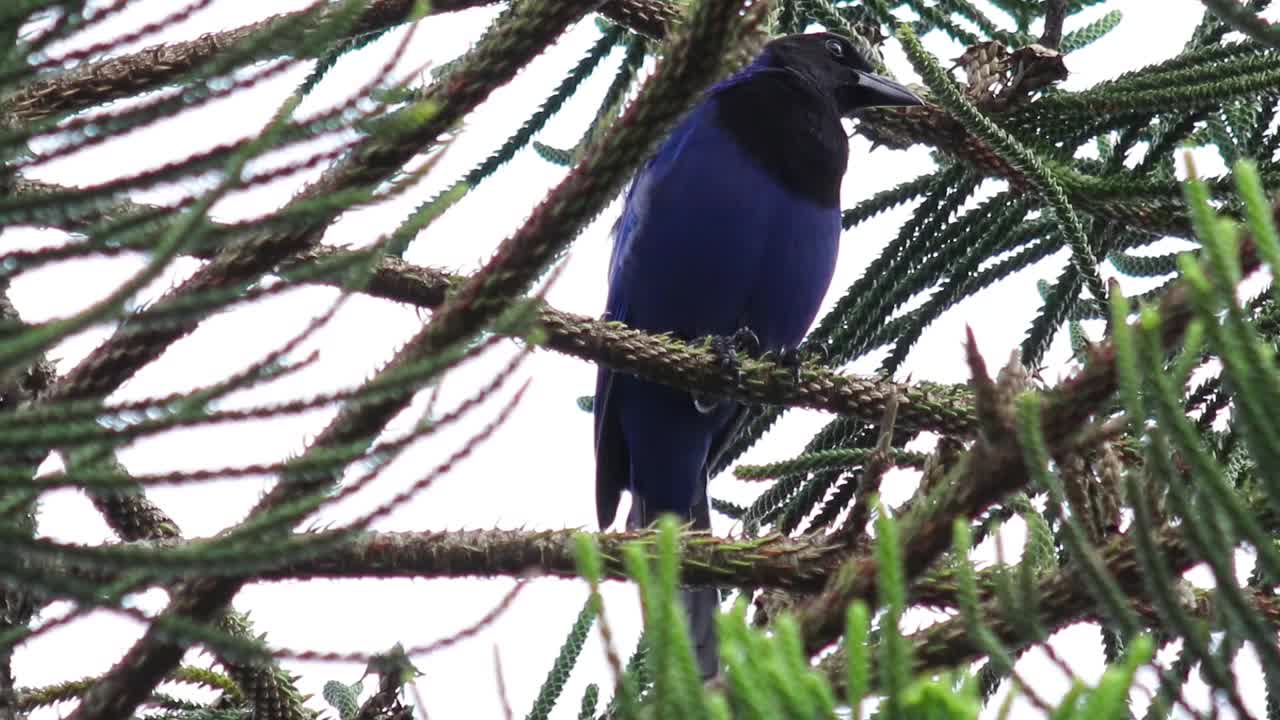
<point x="537" y="472"/>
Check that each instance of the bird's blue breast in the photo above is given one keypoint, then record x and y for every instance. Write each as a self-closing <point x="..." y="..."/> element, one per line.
<point x="709" y="242"/>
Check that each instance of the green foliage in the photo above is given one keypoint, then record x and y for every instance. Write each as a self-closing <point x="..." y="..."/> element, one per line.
<point x="343" y="698"/>
<point x="589" y="698"/>
<point x="767" y="674"/>
<point x="1092" y="32"/>
<point x="554" y="684"/>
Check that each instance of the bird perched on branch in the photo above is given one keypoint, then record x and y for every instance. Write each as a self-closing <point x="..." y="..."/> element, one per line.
<point x="730" y="230"/>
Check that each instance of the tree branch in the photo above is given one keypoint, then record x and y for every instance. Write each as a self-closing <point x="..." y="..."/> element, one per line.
<point x="799" y="564"/>
<point x="1244" y="20"/>
<point x="1055" y="14"/>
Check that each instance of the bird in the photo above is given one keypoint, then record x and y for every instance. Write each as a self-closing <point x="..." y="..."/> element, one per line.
<point x="729" y="231"/>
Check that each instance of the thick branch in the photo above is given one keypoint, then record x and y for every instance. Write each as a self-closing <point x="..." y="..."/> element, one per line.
<point x="942" y="409"/>
<point x="922" y="406"/>
<point x="794" y="564"/>
<point x="772" y="561"/>
<point x="799" y="564"/>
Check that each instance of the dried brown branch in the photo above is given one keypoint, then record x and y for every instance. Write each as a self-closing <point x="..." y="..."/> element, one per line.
<point x="800" y="564"/>
<point x="853" y="533"/>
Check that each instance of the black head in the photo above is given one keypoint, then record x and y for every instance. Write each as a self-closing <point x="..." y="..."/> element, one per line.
<point x="836" y="69"/>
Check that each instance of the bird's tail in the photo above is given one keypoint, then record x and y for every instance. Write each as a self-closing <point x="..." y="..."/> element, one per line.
<point x="700" y="603"/>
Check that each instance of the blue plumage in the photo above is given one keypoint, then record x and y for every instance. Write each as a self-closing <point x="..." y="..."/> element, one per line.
<point x="734" y="223"/>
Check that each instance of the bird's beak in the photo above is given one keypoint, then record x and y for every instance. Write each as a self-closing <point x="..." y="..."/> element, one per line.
<point x="876" y="91"/>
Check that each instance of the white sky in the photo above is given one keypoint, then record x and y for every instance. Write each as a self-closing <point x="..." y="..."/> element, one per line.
<point x="537" y="472"/>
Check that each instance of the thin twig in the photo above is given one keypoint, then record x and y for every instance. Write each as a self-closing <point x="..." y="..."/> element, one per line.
<point x="507" y="712"/>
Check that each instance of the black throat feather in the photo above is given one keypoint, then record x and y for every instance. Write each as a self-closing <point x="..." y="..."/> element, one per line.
<point x="790" y="129"/>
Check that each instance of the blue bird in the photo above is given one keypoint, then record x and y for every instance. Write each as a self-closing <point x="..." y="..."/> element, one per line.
<point x="730" y="230"/>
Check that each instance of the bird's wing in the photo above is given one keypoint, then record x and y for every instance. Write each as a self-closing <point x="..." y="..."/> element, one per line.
<point x="612" y="461"/>
<point x="723" y="439"/>
<point x="783" y="304"/>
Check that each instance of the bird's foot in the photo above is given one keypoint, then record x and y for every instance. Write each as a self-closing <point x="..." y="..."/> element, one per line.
<point x="745" y="341"/>
<point x="726" y="349"/>
<point x="793" y="358"/>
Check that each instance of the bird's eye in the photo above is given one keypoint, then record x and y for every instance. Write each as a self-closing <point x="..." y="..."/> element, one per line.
<point x="836" y="49"/>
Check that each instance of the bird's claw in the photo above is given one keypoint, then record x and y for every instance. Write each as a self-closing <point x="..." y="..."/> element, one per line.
<point x="790" y="359"/>
<point x="726" y="349"/>
<point x="818" y="353"/>
<point x="747" y="342"/>
<point x="726" y="354"/>
<point x="793" y="358"/>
